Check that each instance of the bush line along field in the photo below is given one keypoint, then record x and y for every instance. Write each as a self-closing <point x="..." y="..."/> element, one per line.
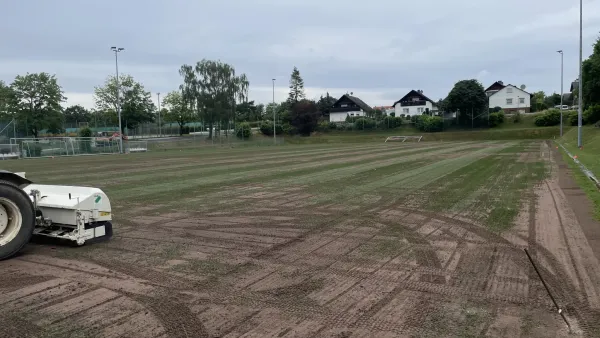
<point x="417" y="239"/>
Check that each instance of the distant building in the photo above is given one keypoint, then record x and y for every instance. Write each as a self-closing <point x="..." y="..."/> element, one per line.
<point x="348" y="105"/>
<point x="414" y="103"/>
<point x="508" y="97"/>
<point x="387" y="110"/>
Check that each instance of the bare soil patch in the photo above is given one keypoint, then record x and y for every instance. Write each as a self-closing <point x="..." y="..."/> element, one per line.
<point x="266" y="261"/>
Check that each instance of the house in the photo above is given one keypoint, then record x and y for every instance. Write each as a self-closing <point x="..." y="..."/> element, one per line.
<point x="414" y="103"/>
<point x="348" y="105"/>
<point x="387" y="110"/>
<point x="508" y="97"/>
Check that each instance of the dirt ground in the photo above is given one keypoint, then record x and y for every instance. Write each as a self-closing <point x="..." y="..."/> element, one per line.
<point x="306" y="254"/>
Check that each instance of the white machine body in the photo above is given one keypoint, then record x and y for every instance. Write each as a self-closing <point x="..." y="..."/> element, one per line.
<point x="69" y="212"/>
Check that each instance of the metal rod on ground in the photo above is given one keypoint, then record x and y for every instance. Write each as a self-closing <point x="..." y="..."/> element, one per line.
<point x="580" y="93"/>
<point x="548" y="290"/>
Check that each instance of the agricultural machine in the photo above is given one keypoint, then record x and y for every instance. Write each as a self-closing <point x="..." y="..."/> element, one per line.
<point x="74" y="214"/>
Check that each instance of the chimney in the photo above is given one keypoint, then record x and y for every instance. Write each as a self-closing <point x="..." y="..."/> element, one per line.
<point x="500" y="82"/>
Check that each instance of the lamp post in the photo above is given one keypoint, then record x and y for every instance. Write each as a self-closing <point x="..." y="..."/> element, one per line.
<point x="159" y="124"/>
<point x="274" y="121"/>
<point x="561" y="92"/>
<point x="580" y="94"/>
<point x="117" y="50"/>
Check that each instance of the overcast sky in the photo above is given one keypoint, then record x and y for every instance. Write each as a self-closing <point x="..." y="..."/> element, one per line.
<point x="378" y="49"/>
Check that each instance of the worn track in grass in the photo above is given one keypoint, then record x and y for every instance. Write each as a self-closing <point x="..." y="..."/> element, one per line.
<point x="362" y="240"/>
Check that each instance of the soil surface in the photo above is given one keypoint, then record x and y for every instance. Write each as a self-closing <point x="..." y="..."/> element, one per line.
<point x="305" y="256"/>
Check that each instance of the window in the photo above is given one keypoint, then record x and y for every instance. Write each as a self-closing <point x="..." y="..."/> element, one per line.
<point x="419" y="110"/>
<point x="521" y="100"/>
<point x="351" y="114"/>
<point x="405" y="110"/>
<point x="508" y="101"/>
<point x="509" y="90"/>
<point x="344" y="105"/>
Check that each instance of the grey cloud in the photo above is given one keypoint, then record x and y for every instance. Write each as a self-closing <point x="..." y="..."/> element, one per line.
<point x="377" y="47"/>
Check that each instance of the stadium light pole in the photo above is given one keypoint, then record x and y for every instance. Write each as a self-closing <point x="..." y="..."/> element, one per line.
<point x="117" y="50"/>
<point x="159" y="125"/>
<point x="580" y="94"/>
<point x="561" y="92"/>
<point x="274" y="121"/>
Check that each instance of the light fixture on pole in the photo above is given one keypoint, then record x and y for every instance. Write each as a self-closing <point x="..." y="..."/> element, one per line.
<point x="117" y="50"/>
<point x="274" y="121"/>
<point x="580" y="93"/>
<point x="561" y="92"/>
<point x="159" y="124"/>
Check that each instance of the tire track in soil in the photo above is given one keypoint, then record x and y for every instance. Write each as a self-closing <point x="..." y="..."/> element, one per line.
<point x="176" y="317"/>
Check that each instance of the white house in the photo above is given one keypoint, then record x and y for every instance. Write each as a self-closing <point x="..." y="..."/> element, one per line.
<point x="348" y="106"/>
<point x="510" y="98"/>
<point x="414" y="103"/>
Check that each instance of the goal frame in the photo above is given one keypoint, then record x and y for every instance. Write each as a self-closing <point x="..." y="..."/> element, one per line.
<point x="403" y="138"/>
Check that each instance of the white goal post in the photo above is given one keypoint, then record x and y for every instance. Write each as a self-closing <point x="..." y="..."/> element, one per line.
<point x="404" y="138"/>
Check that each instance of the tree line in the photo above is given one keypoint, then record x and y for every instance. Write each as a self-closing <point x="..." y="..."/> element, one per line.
<point x="215" y="94"/>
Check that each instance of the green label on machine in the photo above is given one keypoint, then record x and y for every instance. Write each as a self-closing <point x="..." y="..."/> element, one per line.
<point x="98" y="198"/>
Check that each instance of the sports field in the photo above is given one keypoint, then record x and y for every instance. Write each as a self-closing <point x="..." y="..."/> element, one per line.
<point x="352" y="240"/>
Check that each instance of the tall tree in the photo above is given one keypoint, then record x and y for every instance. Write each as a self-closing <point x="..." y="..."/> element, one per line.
<point x="212" y="88"/>
<point x="468" y="99"/>
<point x="325" y="103"/>
<point x="305" y="117"/>
<point x="538" y="101"/>
<point x="136" y="103"/>
<point x="76" y="114"/>
<point x="8" y="101"/>
<point x="552" y="100"/>
<point x="37" y="102"/>
<point x="296" y="87"/>
<point x="176" y="110"/>
<point x="591" y="77"/>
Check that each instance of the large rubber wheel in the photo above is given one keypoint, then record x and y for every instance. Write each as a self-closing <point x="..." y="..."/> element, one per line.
<point x="17" y="219"/>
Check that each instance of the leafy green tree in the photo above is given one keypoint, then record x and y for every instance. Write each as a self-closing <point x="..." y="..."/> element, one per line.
<point x="538" y="101"/>
<point x="37" y="102"/>
<point x="243" y="130"/>
<point x="176" y="110"/>
<point x="325" y="103"/>
<point x="212" y="89"/>
<point x="248" y="111"/>
<point x="136" y="103"/>
<point x="591" y="77"/>
<point x="8" y="101"/>
<point x="468" y="98"/>
<point x="77" y="113"/>
<point x="296" y="88"/>
<point x="552" y="100"/>
<point x="304" y="117"/>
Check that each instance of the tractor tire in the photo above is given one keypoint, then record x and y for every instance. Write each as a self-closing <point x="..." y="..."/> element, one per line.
<point x="17" y="219"/>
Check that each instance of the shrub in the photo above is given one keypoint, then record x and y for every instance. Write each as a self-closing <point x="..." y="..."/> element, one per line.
<point x="185" y="130"/>
<point x="85" y="132"/>
<point x="496" y="119"/>
<point x="428" y="123"/>
<point x="364" y="123"/>
<point x="591" y="115"/>
<point x="323" y="126"/>
<point x="243" y="130"/>
<point x="496" y="109"/>
<point x="390" y="122"/>
<point x="86" y="145"/>
<point x="572" y="118"/>
<point x="517" y="118"/>
<point x="266" y="128"/>
<point x="550" y="118"/>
